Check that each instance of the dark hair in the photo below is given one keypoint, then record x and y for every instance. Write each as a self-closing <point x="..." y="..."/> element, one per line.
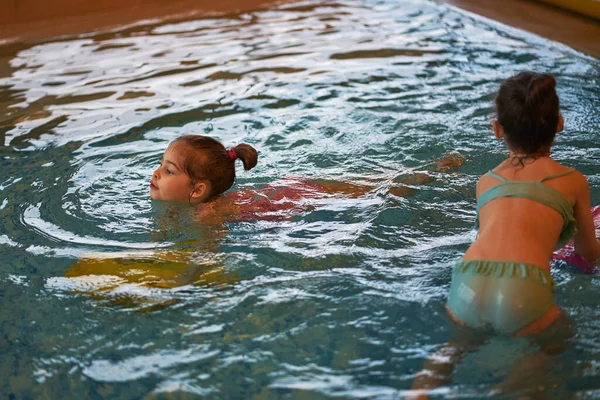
<point x="206" y="158"/>
<point x="528" y="111"/>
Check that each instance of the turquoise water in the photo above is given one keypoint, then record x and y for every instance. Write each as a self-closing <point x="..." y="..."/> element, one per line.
<point x="346" y="299"/>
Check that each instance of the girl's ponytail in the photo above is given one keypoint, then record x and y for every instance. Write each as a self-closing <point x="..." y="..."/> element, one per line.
<point x="247" y="154"/>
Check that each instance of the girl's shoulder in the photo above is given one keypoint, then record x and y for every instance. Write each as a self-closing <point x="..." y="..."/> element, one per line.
<point x="541" y="170"/>
<point x="579" y="183"/>
<point x="484" y="182"/>
<point x="572" y="176"/>
<point x="547" y="172"/>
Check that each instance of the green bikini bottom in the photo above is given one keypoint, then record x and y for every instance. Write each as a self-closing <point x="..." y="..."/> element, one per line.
<point x="503" y="296"/>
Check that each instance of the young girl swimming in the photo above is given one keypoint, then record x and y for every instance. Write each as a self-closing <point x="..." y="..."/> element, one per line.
<point x="526" y="207"/>
<point x="198" y="169"/>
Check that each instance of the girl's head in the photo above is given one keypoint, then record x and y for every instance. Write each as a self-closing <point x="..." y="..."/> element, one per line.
<point x="197" y="168"/>
<point x="528" y="113"/>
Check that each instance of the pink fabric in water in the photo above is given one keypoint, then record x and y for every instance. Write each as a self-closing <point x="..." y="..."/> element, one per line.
<point x="571" y="257"/>
<point x="279" y="200"/>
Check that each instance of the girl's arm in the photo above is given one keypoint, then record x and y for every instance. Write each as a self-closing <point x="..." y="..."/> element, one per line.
<point x="586" y="243"/>
<point x="446" y="163"/>
<point x="344" y="188"/>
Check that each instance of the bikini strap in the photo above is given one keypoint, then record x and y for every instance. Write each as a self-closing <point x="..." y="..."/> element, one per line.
<point x="495" y="175"/>
<point x="557" y="175"/>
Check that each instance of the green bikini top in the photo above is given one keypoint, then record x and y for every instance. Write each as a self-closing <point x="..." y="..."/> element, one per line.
<point x="537" y="191"/>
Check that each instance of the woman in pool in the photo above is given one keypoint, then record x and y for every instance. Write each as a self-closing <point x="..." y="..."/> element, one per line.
<point x="198" y="169"/>
<point x="527" y="206"/>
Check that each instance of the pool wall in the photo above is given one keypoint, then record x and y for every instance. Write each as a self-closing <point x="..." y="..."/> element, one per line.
<point x="539" y="17"/>
<point x="39" y="19"/>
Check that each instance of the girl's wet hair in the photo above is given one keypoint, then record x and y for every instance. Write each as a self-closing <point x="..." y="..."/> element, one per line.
<point x="528" y="111"/>
<point x="206" y="159"/>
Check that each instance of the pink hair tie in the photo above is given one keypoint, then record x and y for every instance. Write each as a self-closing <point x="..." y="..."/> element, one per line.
<point x="231" y="154"/>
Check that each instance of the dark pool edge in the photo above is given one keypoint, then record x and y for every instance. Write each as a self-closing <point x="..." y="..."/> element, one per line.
<point x="576" y="31"/>
<point x="89" y="21"/>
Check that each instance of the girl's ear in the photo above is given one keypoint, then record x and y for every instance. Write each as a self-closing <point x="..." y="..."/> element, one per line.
<point x="561" y="124"/>
<point x="199" y="191"/>
<point x="498" y="131"/>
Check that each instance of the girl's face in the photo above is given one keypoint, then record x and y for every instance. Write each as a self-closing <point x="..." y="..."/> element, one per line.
<point x="170" y="182"/>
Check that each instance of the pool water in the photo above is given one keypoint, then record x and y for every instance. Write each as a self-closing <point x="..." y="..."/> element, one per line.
<point x="106" y="294"/>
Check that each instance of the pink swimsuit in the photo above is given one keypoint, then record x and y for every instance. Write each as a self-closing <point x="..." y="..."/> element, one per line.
<point x="276" y="201"/>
